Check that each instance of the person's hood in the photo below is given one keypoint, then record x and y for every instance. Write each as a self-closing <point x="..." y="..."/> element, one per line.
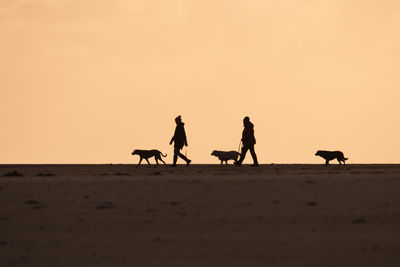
<point x="248" y="124"/>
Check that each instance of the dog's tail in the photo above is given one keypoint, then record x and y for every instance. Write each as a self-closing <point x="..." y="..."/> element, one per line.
<point x="345" y="158"/>
<point x="163" y="155"/>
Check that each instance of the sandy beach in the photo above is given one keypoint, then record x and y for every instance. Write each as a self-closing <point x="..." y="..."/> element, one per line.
<point x="204" y="215"/>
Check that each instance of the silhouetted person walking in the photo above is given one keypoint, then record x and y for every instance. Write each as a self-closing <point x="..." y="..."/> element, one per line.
<point x="179" y="140"/>
<point x="248" y="141"/>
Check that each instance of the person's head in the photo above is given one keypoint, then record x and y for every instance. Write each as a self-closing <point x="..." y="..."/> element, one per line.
<point x="246" y="120"/>
<point x="178" y="119"/>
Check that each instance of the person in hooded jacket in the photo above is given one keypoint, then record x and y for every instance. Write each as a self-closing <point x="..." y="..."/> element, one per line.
<point x="248" y="141"/>
<point x="179" y="140"/>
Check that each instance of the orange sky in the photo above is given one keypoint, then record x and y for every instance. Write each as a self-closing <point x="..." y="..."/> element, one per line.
<point x="89" y="81"/>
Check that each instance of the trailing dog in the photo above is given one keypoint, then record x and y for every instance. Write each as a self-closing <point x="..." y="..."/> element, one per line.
<point x="330" y="155"/>
<point x="146" y="154"/>
<point x="226" y="155"/>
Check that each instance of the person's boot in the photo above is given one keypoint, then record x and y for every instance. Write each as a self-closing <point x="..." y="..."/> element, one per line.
<point x="186" y="159"/>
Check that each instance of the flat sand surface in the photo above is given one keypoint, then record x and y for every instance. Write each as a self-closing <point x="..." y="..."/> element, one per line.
<point x="204" y="215"/>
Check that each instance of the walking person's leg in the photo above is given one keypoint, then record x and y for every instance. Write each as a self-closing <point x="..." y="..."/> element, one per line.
<point x="184" y="158"/>
<point x="243" y="155"/>
<point x="176" y="152"/>
<point x="253" y="155"/>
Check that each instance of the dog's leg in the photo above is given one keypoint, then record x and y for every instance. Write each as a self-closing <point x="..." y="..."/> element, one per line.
<point x="326" y="162"/>
<point x="163" y="161"/>
<point x="340" y="163"/>
<point x="226" y="162"/>
<point x="148" y="162"/>
<point x="156" y="161"/>
<point x="139" y="162"/>
<point x="222" y="162"/>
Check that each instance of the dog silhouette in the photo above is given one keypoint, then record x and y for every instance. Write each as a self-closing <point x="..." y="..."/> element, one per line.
<point x="226" y="155"/>
<point x="330" y="155"/>
<point x="146" y="154"/>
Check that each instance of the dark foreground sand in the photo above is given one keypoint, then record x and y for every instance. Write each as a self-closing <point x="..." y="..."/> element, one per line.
<point x="275" y="215"/>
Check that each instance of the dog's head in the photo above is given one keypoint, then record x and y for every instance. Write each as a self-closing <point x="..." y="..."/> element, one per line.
<point x="215" y="153"/>
<point x="135" y="152"/>
<point x="319" y="152"/>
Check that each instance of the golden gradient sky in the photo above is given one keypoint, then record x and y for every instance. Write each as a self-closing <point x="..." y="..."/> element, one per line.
<point x="88" y="81"/>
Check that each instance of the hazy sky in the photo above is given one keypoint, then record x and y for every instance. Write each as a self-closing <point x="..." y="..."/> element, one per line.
<point x="88" y="81"/>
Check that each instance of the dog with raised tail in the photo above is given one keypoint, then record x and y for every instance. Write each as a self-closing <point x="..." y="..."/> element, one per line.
<point x="146" y="154"/>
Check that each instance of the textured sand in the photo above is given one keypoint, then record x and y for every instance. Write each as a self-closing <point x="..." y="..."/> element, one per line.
<point x="275" y="215"/>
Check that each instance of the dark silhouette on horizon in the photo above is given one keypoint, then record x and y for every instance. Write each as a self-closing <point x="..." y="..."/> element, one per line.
<point x="226" y="155"/>
<point x="248" y="141"/>
<point x="179" y="140"/>
<point x="146" y="154"/>
<point x="330" y="155"/>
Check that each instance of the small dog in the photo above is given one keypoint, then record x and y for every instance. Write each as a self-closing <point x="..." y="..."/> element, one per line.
<point x="225" y="155"/>
<point x="330" y="155"/>
<point x="146" y="154"/>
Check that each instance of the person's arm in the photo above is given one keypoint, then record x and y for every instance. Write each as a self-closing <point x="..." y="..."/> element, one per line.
<point x="184" y="134"/>
<point x="173" y="138"/>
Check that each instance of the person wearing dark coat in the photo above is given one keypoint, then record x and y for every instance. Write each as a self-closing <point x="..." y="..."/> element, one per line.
<point x="179" y="140"/>
<point x="248" y="141"/>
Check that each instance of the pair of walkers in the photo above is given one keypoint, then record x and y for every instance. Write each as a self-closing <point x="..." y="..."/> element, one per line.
<point x="248" y="141"/>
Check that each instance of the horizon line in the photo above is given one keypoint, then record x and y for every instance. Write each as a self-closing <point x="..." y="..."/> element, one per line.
<point x="198" y="164"/>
